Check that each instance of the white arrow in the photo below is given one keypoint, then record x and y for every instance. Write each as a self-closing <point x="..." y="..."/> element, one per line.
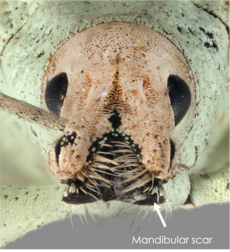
<point x="156" y="208"/>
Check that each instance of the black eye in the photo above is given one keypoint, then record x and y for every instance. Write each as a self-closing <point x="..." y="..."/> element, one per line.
<point x="172" y="145"/>
<point x="58" y="150"/>
<point x="55" y="93"/>
<point x="180" y="96"/>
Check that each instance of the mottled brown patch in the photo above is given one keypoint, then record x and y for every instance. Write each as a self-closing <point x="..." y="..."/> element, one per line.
<point x="221" y="119"/>
<point x="140" y="47"/>
<point x="134" y="92"/>
<point x="205" y="176"/>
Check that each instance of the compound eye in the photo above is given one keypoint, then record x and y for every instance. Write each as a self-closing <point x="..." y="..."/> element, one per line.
<point x="180" y="96"/>
<point x="55" y="93"/>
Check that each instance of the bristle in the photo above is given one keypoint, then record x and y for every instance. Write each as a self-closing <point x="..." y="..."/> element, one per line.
<point x="125" y="211"/>
<point x="121" y="144"/>
<point x="118" y="168"/>
<point x="153" y="180"/>
<point x="146" y="189"/>
<point x="85" y="217"/>
<point x="83" y="190"/>
<point x="139" y="183"/>
<point x="88" y="193"/>
<point x="105" y="160"/>
<point x="141" y="222"/>
<point x="101" y="171"/>
<point x="106" y="153"/>
<point x="106" y="145"/>
<point x="168" y="208"/>
<point x="98" y="177"/>
<point x="71" y="220"/>
<point x="92" y="187"/>
<point x="115" y="169"/>
<point x="81" y="220"/>
<point x="94" y="220"/>
<point x="134" y="176"/>
<point x="123" y="150"/>
<point x="101" y="166"/>
<point x="151" y="213"/>
<point x="133" y="171"/>
<point x="135" y="219"/>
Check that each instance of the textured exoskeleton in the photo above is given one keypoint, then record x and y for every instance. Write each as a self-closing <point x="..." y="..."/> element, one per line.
<point x="40" y="40"/>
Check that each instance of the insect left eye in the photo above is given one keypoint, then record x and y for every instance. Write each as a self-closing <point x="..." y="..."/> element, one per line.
<point x="55" y="93"/>
<point x="180" y="96"/>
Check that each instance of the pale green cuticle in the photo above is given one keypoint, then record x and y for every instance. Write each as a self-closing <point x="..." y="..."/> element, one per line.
<point x="212" y="75"/>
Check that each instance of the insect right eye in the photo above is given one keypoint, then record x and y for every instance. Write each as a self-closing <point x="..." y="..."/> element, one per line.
<point x="180" y="96"/>
<point x="55" y="93"/>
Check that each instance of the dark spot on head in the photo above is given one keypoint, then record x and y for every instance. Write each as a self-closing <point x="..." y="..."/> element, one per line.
<point x="115" y="119"/>
<point x="41" y="54"/>
<point x="208" y="34"/>
<point x="172" y="148"/>
<point x="206" y="44"/>
<point x="189" y="200"/>
<point x="190" y="30"/>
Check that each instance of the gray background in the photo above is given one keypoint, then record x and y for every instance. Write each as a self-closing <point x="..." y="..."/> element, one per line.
<point x="207" y="221"/>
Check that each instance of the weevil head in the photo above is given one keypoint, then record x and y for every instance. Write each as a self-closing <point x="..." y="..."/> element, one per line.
<point x="114" y="82"/>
